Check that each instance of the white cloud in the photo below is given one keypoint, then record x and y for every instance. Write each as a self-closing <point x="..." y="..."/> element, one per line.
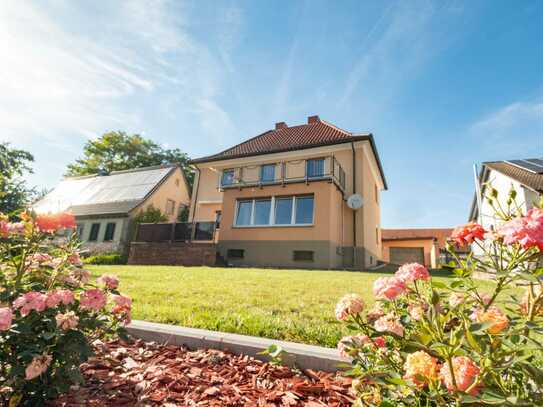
<point x="516" y="128"/>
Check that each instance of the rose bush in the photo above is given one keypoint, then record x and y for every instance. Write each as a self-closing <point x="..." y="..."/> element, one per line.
<point x="453" y="344"/>
<point x="50" y="310"/>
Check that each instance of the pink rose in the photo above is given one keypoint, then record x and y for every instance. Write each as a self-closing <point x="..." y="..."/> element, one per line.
<point x="526" y="231"/>
<point x="123" y="308"/>
<point x="40" y="258"/>
<point x="389" y="323"/>
<point x="17" y="228"/>
<point x="54" y="298"/>
<point x="411" y="272"/>
<point x="465" y="373"/>
<point x="4" y="230"/>
<point x="375" y="312"/>
<point x="388" y="287"/>
<point x="94" y="299"/>
<point x="455" y="299"/>
<point x="416" y="311"/>
<point x="32" y="300"/>
<point x="350" y="304"/>
<point x="348" y="344"/>
<point x="111" y="282"/>
<point x="6" y="318"/>
<point x="468" y="233"/>
<point x="67" y="321"/>
<point x="38" y="366"/>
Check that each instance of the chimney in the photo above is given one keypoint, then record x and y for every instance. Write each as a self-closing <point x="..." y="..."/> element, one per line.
<point x="313" y="119"/>
<point x="280" y="126"/>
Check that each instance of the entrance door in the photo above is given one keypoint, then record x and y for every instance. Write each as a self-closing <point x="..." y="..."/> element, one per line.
<point x="401" y="255"/>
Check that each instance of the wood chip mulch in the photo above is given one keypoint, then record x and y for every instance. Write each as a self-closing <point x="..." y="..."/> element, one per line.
<point x="147" y="374"/>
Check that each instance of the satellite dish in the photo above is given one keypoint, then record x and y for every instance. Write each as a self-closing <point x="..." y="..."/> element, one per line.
<point x="355" y="201"/>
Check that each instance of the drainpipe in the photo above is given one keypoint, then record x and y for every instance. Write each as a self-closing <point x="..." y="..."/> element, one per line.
<point x="354" y="212"/>
<point x="193" y="231"/>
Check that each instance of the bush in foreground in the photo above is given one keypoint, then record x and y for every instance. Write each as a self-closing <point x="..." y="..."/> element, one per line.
<point x="426" y="343"/>
<point x="50" y="311"/>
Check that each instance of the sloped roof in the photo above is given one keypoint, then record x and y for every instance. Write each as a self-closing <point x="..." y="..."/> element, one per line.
<point x="440" y="234"/>
<point x="315" y="133"/>
<point x="116" y="193"/>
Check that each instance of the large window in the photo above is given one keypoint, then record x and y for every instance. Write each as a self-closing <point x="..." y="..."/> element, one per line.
<point x="95" y="228"/>
<point x="227" y="177"/>
<point x="280" y="211"/>
<point x="267" y="173"/>
<point x="315" y="168"/>
<point x="110" y="232"/>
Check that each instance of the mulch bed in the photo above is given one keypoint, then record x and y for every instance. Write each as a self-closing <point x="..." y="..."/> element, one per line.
<point x="149" y="374"/>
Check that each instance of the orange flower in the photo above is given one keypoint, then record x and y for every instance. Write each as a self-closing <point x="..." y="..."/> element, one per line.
<point x="465" y="373"/>
<point x="420" y="368"/>
<point x="50" y="223"/>
<point x="493" y="315"/>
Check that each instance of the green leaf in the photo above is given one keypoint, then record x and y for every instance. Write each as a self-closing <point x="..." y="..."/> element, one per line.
<point x="480" y="327"/>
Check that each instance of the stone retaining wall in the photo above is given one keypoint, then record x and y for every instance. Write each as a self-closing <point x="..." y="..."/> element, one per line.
<point x="172" y="253"/>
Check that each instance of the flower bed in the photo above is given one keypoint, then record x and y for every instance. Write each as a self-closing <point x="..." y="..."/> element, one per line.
<point x="125" y="374"/>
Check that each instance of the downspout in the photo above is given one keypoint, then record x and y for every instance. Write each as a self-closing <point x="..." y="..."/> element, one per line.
<point x="354" y="211"/>
<point x="196" y="195"/>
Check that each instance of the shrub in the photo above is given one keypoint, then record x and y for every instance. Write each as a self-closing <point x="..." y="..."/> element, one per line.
<point x="50" y="311"/>
<point x="430" y="343"/>
<point x="106" y="259"/>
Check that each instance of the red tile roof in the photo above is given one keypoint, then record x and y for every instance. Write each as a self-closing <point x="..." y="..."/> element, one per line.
<point x="315" y="133"/>
<point x="440" y="235"/>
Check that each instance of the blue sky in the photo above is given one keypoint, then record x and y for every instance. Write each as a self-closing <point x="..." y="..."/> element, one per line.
<point x="440" y="84"/>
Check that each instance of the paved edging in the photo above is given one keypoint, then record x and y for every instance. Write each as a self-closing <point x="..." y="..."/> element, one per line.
<point x="303" y="356"/>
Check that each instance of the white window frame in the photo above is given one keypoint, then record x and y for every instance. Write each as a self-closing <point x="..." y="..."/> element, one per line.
<point x="271" y="222"/>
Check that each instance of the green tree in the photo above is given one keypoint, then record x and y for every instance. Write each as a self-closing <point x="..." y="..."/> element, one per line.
<point x="14" y="192"/>
<point x="117" y="150"/>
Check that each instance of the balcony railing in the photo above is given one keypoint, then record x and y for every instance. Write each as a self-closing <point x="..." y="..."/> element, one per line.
<point x="324" y="168"/>
<point x="176" y="232"/>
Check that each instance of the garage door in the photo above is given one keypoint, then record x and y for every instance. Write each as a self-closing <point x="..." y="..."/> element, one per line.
<point x="401" y="255"/>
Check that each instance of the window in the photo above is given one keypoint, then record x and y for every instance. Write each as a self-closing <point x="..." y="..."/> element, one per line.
<point x="95" y="228"/>
<point x="304" y="210"/>
<point x="262" y="212"/>
<point x="170" y="207"/>
<point x="110" y="232"/>
<point x="243" y="217"/>
<point x="302" y="255"/>
<point x="267" y="173"/>
<point x="80" y="228"/>
<point x="218" y="218"/>
<point x="235" y="254"/>
<point x="315" y="168"/>
<point x="227" y="177"/>
<point x="292" y="210"/>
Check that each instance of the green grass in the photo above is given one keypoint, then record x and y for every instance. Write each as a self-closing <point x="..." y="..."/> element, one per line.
<point x="292" y="305"/>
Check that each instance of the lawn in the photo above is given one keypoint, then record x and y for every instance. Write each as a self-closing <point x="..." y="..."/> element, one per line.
<point x="292" y="305"/>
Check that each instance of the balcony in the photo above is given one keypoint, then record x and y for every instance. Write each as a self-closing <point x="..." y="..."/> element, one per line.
<point x="285" y="172"/>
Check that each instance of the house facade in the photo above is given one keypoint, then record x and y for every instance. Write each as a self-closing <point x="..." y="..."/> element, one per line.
<point x="280" y="198"/>
<point x="104" y="206"/>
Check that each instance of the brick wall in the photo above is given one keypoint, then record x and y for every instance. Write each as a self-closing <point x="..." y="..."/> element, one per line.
<point x="176" y="253"/>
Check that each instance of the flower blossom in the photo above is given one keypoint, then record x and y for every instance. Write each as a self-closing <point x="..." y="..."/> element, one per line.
<point x="111" y="282"/>
<point x="389" y="323"/>
<point x="38" y="365"/>
<point x="388" y="287"/>
<point x="4" y="230"/>
<point x="493" y="315"/>
<point x="75" y="259"/>
<point x="420" y="365"/>
<point x="77" y="277"/>
<point x="123" y="308"/>
<point x="417" y="311"/>
<point x="6" y="318"/>
<point x="94" y="299"/>
<point x="465" y="374"/>
<point x="40" y="258"/>
<point x="411" y="272"/>
<point x="468" y="233"/>
<point x="32" y="300"/>
<point x="456" y="299"/>
<point x="347" y="345"/>
<point x="526" y="231"/>
<point x="17" y="228"/>
<point x="56" y="297"/>
<point x="376" y="311"/>
<point x="67" y="321"/>
<point x="50" y="223"/>
<point x="350" y="304"/>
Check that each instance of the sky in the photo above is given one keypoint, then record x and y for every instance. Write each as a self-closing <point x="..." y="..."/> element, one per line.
<point x="441" y="85"/>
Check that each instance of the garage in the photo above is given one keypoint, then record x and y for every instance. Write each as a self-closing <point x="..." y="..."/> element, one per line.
<point x="401" y="255"/>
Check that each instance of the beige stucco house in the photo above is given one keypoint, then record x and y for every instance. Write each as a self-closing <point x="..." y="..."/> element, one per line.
<point x="105" y="205"/>
<point x="279" y="199"/>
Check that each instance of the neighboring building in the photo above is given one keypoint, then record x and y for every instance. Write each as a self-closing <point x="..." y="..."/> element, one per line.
<point x="525" y="176"/>
<point x="424" y="246"/>
<point x="104" y="205"/>
<point x="280" y="198"/>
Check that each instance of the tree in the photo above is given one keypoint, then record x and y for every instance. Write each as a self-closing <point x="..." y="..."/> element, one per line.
<point x="118" y="150"/>
<point x="14" y="164"/>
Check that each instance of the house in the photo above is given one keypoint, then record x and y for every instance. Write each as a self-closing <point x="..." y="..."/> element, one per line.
<point x="424" y="246"/>
<point x="104" y="205"/>
<point x="280" y="199"/>
<point x="524" y="176"/>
